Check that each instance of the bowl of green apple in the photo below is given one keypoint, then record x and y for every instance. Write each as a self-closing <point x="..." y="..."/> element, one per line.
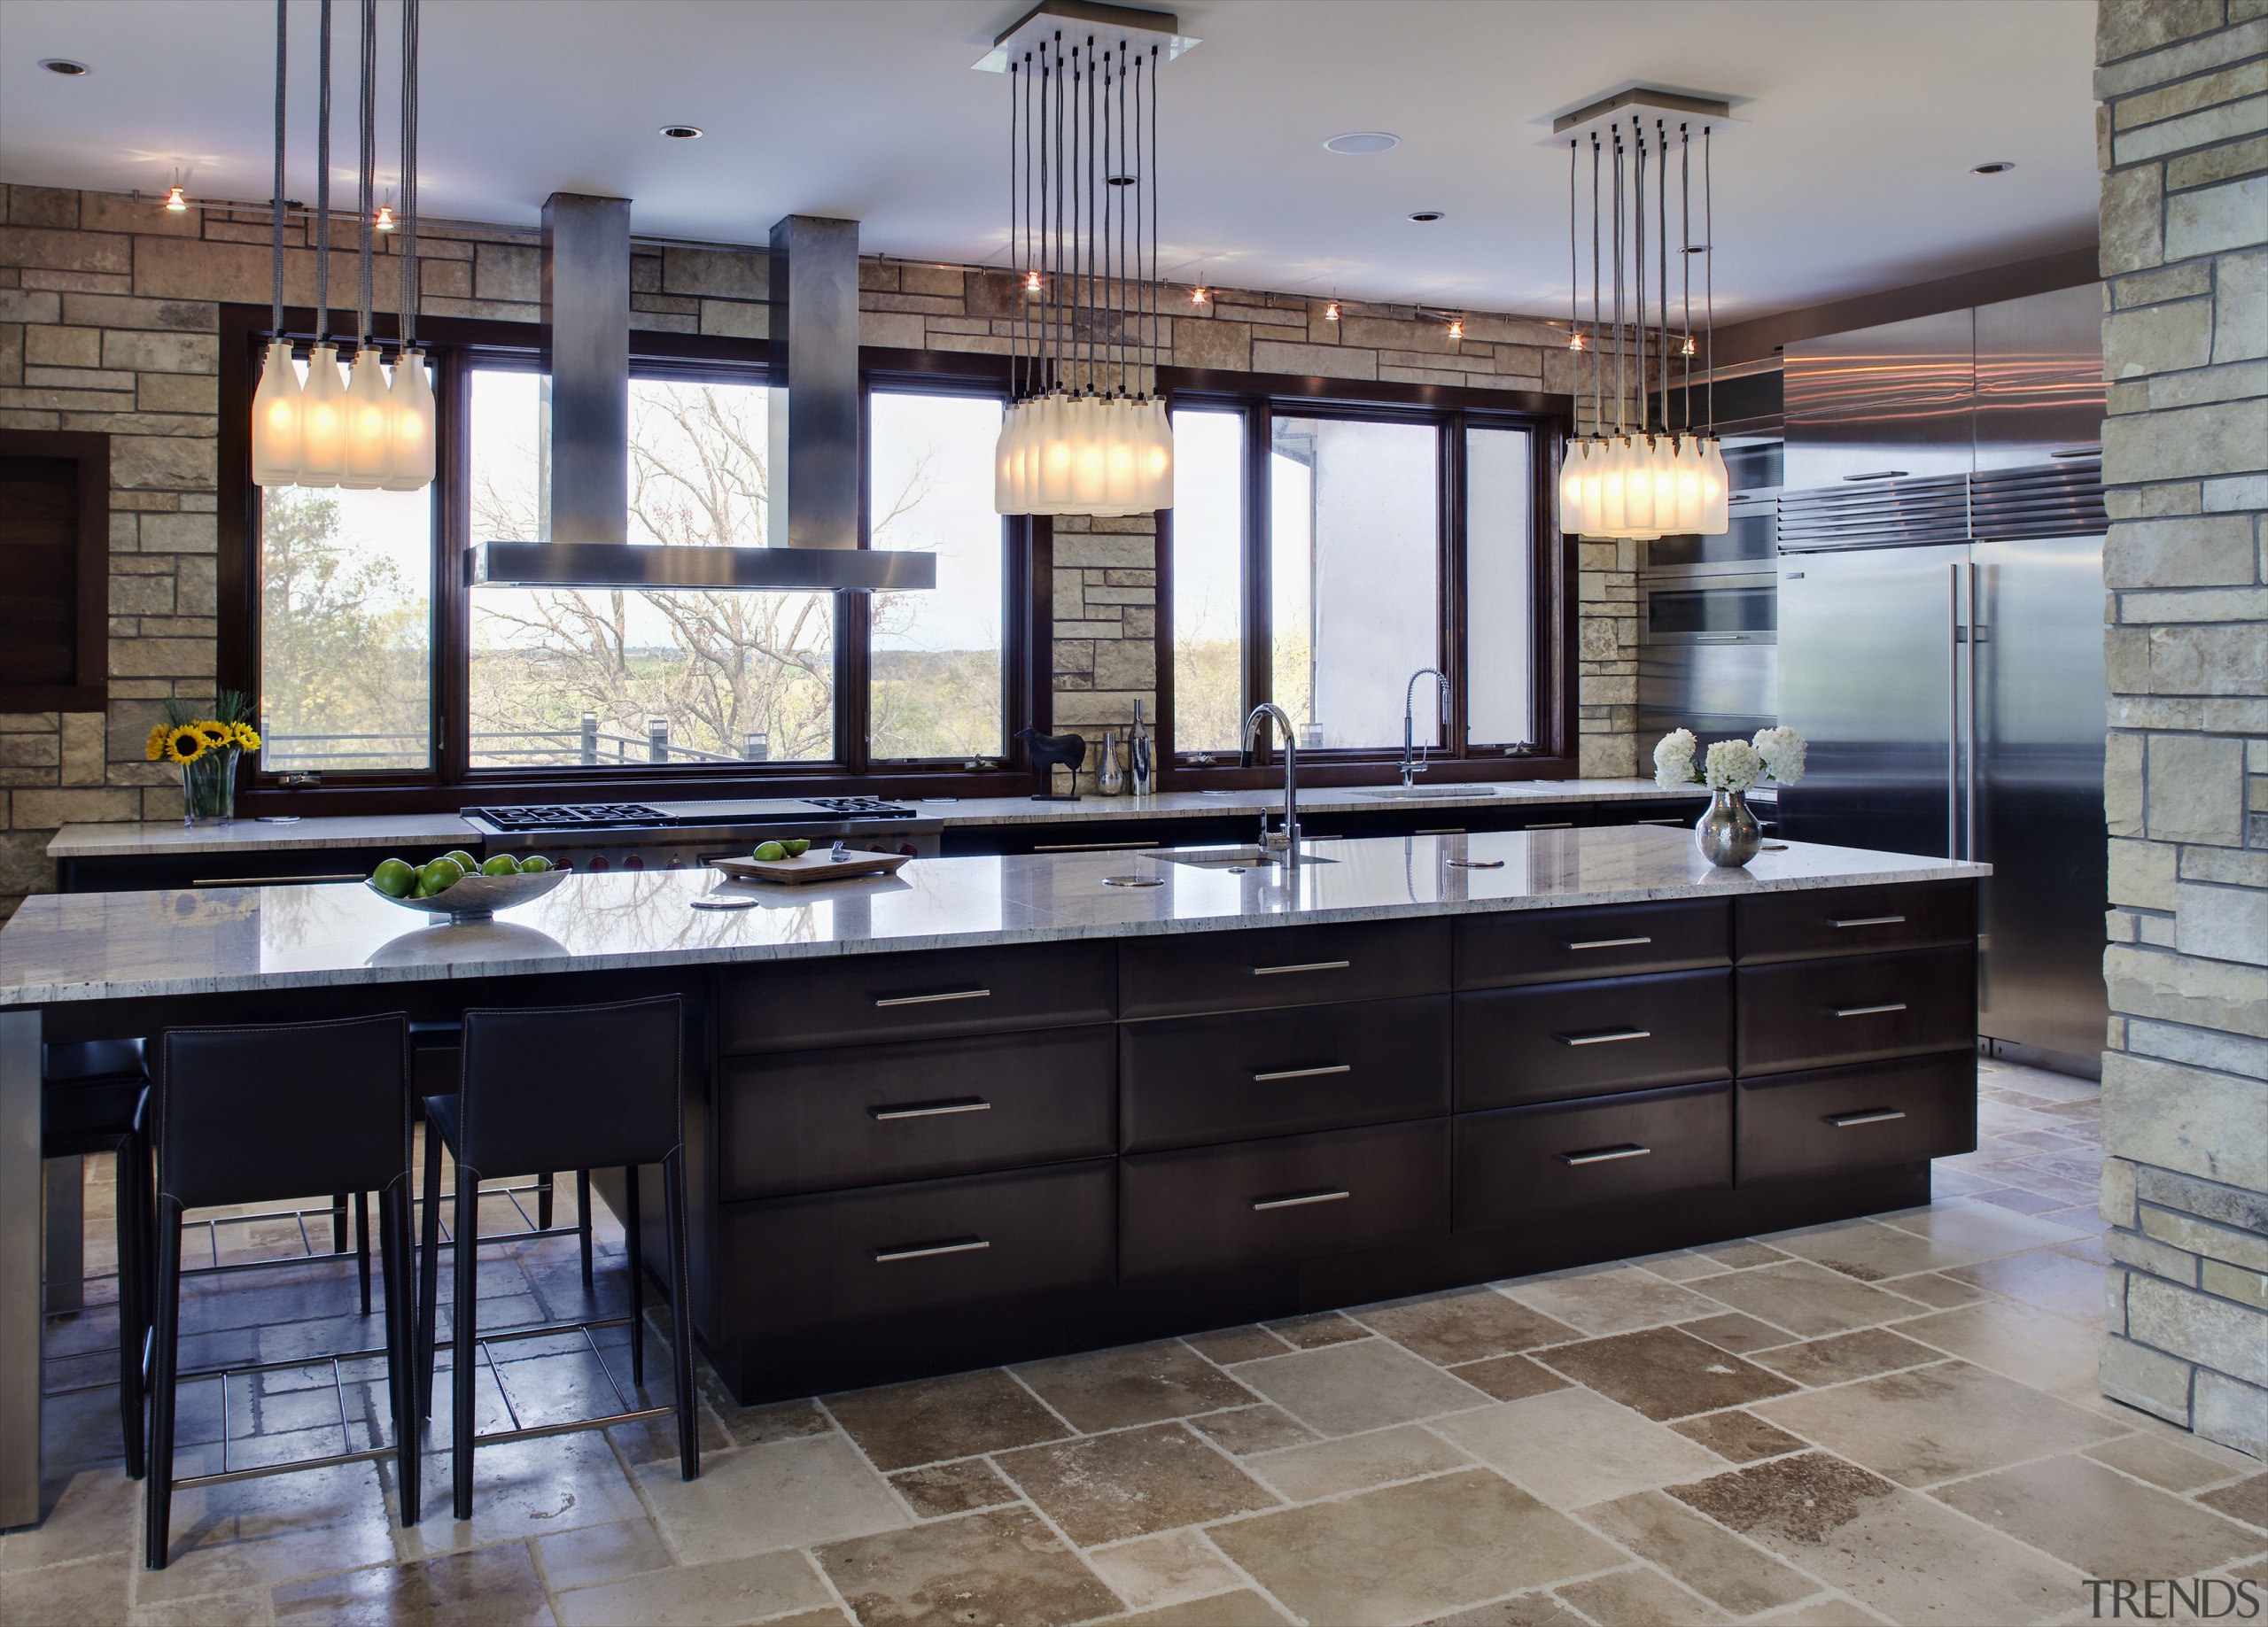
<point x="463" y="887"/>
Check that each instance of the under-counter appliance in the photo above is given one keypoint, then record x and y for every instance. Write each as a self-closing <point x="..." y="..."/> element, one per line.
<point x="1940" y="631"/>
<point x="596" y="837"/>
<point x="1708" y="621"/>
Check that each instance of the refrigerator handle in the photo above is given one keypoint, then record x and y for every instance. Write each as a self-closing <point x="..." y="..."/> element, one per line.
<point x="1969" y="770"/>
<point x="1953" y="711"/>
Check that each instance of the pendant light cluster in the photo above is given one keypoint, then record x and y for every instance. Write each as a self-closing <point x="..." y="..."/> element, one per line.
<point x="1086" y="431"/>
<point x="363" y="432"/>
<point x="1641" y="480"/>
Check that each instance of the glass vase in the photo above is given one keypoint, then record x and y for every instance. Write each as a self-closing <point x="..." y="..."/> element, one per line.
<point x="208" y="788"/>
<point x="1728" y="834"/>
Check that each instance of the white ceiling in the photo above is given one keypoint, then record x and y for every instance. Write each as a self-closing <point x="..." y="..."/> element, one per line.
<point x="1854" y="174"/>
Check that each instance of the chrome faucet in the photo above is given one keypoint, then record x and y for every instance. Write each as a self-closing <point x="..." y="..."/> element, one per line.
<point x="1286" y="841"/>
<point x="1409" y="720"/>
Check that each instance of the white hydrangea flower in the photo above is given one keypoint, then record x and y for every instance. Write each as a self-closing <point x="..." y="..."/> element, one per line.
<point x="1674" y="759"/>
<point x="1783" y="750"/>
<point x="1732" y="765"/>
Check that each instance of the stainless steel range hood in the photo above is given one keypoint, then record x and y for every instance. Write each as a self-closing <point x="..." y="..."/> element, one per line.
<point x="814" y="423"/>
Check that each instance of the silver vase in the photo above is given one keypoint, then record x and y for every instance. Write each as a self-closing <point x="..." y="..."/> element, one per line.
<point x="1727" y="834"/>
<point x="1109" y="779"/>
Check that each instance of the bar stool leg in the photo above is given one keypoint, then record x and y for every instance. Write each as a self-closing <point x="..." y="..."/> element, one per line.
<point x="338" y="1222"/>
<point x="543" y="1201"/>
<point x="133" y="1226"/>
<point x="397" y="1267"/>
<point x="362" y="1245"/>
<point x="582" y="1219"/>
<point x="630" y="1244"/>
<point x="158" y="1494"/>
<point x="429" y="1272"/>
<point x="463" y="1347"/>
<point x="688" y="1426"/>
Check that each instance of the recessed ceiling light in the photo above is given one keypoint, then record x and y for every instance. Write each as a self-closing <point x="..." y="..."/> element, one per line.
<point x="65" y="66"/>
<point x="1996" y="167"/>
<point x="1363" y="140"/>
<point x="682" y="132"/>
<point x="1425" y="216"/>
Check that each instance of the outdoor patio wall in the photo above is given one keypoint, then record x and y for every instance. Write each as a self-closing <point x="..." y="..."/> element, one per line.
<point x="109" y="321"/>
<point x="2185" y="1078"/>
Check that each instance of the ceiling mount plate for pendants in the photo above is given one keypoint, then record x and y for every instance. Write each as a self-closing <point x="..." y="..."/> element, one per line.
<point x="1672" y="107"/>
<point x="1137" y="26"/>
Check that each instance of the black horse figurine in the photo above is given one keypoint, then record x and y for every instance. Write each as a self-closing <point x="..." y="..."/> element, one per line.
<point x="1047" y="750"/>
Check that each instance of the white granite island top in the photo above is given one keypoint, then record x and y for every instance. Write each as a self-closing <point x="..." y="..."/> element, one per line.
<point x="153" y="840"/>
<point x="94" y="946"/>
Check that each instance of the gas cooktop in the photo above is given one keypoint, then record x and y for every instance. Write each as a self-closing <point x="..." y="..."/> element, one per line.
<point x="628" y="816"/>
<point x="567" y="817"/>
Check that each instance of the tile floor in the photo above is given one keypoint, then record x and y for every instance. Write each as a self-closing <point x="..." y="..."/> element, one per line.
<point x="1890" y="1420"/>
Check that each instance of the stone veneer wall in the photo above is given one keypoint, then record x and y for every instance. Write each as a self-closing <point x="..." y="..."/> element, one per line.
<point x="2184" y="248"/>
<point x="108" y="317"/>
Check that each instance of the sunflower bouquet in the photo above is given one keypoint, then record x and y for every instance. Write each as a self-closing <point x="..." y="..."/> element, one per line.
<point x="205" y="750"/>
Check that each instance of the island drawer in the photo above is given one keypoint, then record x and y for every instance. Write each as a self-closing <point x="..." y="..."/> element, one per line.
<point x="1838" y="1119"/>
<point x="1803" y="926"/>
<point x="1857" y="1008"/>
<point x="1549" y="1041"/>
<point x="798" y="1262"/>
<point x="1555" y="946"/>
<point x="1192" y="1080"/>
<point x="859" y="999"/>
<point x="813" y="1121"/>
<point x="1518" y="1164"/>
<point x="1259" y="1203"/>
<point x="1188" y="975"/>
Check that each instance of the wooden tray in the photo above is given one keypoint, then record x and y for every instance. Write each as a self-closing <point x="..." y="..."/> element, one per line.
<point x="813" y="866"/>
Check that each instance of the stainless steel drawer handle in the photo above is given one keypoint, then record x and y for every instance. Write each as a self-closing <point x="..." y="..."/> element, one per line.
<point x="1871" y="920"/>
<point x="1300" y="1199"/>
<point x="1305" y="966"/>
<point x="1606" y="1155"/>
<point x="1556" y="825"/>
<point x="1091" y="847"/>
<point x="1604" y="1037"/>
<point x="1873" y="1115"/>
<point x="931" y="1110"/>
<point x="958" y="994"/>
<point x="1315" y="1072"/>
<point x="1883" y="474"/>
<point x="1447" y="829"/>
<point x="1672" y="823"/>
<point x="1602" y="943"/>
<point x="924" y="1250"/>
<point x="1869" y="1010"/>
<point x="269" y="881"/>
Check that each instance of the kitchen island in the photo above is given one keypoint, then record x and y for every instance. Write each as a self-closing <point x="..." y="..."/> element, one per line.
<point x="993" y="1108"/>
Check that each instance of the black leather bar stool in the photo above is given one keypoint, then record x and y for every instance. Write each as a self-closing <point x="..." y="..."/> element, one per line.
<point x="558" y="1088"/>
<point x="248" y="1115"/>
<point x="90" y="1102"/>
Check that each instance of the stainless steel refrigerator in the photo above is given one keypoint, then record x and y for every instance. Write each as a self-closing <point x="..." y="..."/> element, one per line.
<point x="1941" y="649"/>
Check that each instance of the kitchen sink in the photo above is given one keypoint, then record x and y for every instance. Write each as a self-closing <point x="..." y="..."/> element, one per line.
<point x="1229" y="858"/>
<point x="1395" y="793"/>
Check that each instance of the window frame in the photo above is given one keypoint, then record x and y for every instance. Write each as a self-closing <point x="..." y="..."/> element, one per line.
<point x="1450" y="412"/>
<point x="456" y="348"/>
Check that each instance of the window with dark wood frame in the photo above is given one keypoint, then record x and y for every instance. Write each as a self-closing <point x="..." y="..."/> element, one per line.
<point x="54" y="572"/>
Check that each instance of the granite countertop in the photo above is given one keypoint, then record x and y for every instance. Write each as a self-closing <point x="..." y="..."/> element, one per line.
<point x="89" y="946"/>
<point x="122" y="841"/>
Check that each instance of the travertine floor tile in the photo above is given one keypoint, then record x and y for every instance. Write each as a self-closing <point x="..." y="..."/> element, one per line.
<point x="1740" y="1436"/>
<point x="1572" y="1447"/>
<point x="1805" y="1299"/>
<point x="1160" y="1570"/>
<point x="489" y="1587"/>
<point x="1830" y="1612"/>
<point x="952" y="1488"/>
<point x="1405" y="1552"/>
<point x="1105" y="1488"/>
<point x="721" y="1594"/>
<point x="1344" y="1389"/>
<point x="2246" y="1501"/>
<point x="1638" y="1598"/>
<point x="2161" y="1462"/>
<point x="1229" y="1346"/>
<point x="1520" y="1610"/>
<point x="1354" y="1462"/>
<point x="210" y="1562"/>
<point x="1665" y="1374"/>
<point x="1508" y="1378"/>
<point x="599" y="1554"/>
<point x="1929" y="1289"/>
<point x="1699" y="1552"/>
<point x="1136" y="1384"/>
<point x="1913" y="1558"/>
<point x="1466" y="1326"/>
<point x="1846" y="1356"/>
<point x="1241" y="1609"/>
<point x="1732" y="1331"/>
<point x="89" y="1512"/>
<point x="2103" y="1523"/>
<point x="1935" y="1423"/>
<point x="1982" y="1230"/>
<point x="1247" y="1429"/>
<point x="2048" y="1351"/>
<point x="88" y="1593"/>
<point x="1681" y="1266"/>
<point x="1003" y="1567"/>
<point x="1314" y="1332"/>
<point x="525" y="1488"/>
<point x="248" y="1609"/>
<point x="2047" y="1278"/>
<point x="782" y="1495"/>
<point x="1869" y="1252"/>
<point x="1613" y="1299"/>
<point x="900" y="1426"/>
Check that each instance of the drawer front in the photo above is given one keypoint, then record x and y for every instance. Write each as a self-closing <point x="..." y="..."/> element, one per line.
<point x="1519" y="1163"/>
<point x="798" y="1262"/>
<point x="1187" y="975"/>
<point x="1839" y="1119"/>
<point x="1194" y="1080"/>
<point x="1259" y="1203"/>
<point x="860" y="999"/>
<point x="1861" y="1007"/>
<point x="1556" y="946"/>
<point x="1770" y="926"/>
<point x="1552" y="1041"/>
<point x="814" y="1120"/>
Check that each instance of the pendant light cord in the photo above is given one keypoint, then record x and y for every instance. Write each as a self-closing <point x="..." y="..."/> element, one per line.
<point x="367" y="158"/>
<point x="1685" y="259"/>
<point x="1598" y="358"/>
<point x="322" y="185"/>
<point x="1709" y="273"/>
<point x="1574" y="294"/>
<point x="1661" y="257"/>
<point x="276" y="207"/>
<point x="406" y="244"/>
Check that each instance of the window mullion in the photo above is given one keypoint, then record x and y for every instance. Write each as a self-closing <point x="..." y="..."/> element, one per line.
<point x="1259" y="606"/>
